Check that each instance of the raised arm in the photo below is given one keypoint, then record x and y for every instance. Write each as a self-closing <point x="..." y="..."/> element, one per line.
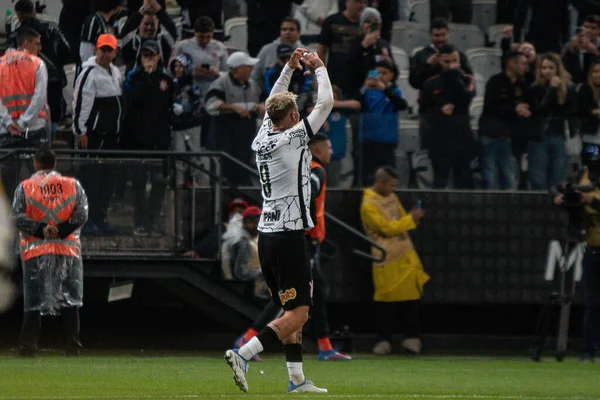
<point x="283" y="82"/>
<point x="324" y="105"/>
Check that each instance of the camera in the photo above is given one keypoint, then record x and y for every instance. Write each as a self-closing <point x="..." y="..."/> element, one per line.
<point x="573" y="203"/>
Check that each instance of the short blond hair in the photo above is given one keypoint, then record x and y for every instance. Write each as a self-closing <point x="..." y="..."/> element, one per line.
<point x="279" y="105"/>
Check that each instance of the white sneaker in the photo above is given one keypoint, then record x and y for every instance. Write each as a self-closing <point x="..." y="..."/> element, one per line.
<point x="239" y="366"/>
<point x="305" y="387"/>
<point x="412" y="345"/>
<point x="382" y="348"/>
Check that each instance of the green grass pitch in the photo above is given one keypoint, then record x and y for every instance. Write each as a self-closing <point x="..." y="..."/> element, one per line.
<point x="159" y="375"/>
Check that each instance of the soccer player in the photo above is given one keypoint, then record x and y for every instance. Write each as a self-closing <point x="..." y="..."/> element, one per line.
<point x="284" y="163"/>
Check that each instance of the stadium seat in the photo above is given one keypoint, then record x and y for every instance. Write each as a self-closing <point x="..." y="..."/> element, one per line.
<point x="495" y="34"/>
<point x="411" y="95"/>
<point x="408" y="136"/>
<point x="416" y="50"/>
<point x="408" y="35"/>
<point x="68" y="90"/>
<point x="476" y="109"/>
<point x="236" y="32"/>
<point x="420" y="11"/>
<point x="485" y="61"/>
<point x="480" y="85"/>
<point x="465" y="36"/>
<point x="400" y="58"/>
<point x="484" y="14"/>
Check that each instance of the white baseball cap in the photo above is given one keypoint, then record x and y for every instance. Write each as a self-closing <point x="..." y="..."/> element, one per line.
<point x="240" y="58"/>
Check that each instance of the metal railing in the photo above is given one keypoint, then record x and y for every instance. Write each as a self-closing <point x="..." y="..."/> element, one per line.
<point x="220" y="182"/>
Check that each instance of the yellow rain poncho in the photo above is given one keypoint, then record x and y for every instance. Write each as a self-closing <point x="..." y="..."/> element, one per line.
<point x="400" y="277"/>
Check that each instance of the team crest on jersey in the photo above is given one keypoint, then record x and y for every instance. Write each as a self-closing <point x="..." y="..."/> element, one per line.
<point x="286" y="296"/>
<point x="163" y="85"/>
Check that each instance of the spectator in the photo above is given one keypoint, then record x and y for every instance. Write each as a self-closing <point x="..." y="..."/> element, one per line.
<point x="400" y="278"/>
<point x="188" y="110"/>
<point x="264" y="21"/>
<point x="240" y="251"/>
<point x="151" y="23"/>
<point x="133" y="6"/>
<point x="381" y="101"/>
<point x="311" y="14"/>
<point x="23" y="82"/>
<point x="548" y="27"/>
<point x="335" y="44"/>
<point x="507" y="45"/>
<point x="578" y="55"/>
<point x="96" y="25"/>
<point x="461" y="10"/>
<point x="289" y="34"/>
<point x="210" y="55"/>
<point x="54" y="52"/>
<point x="149" y="110"/>
<point x="50" y="251"/>
<point x="217" y="10"/>
<point x="23" y="111"/>
<point x="300" y="84"/>
<point x="589" y="106"/>
<point x="447" y="97"/>
<point x="425" y="65"/>
<point x="335" y="128"/>
<point x="208" y="246"/>
<point x="233" y="100"/>
<point x="71" y="20"/>
<point x="553" y="104"/>
<point x="370" y="49"/>
<point x="97" y="113"/>
<point x="504" y="104"/>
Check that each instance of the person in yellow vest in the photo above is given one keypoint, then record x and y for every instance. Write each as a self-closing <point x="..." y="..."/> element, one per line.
<point x="49" y="210"/>
<point x="23" y="83"/>
<point x="399" y="279"/>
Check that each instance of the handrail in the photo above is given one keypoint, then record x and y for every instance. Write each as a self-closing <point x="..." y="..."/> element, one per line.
<point x="181" y="154"/>
<point x="330" y="217"/>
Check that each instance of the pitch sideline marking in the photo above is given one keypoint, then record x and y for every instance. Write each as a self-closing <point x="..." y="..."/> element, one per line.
<point x="262" y="396"/>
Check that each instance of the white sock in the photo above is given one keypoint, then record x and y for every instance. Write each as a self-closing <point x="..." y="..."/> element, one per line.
<point x="295" y="372"/>
<point x="250" y="349"/>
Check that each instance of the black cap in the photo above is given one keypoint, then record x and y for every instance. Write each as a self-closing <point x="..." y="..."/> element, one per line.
<point x="284" y="50"/>
<point x="151" y="45"/>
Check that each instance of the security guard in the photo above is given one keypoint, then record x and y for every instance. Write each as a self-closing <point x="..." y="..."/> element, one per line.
<point x="591" y="260"/>
<point x="49" y="211"/>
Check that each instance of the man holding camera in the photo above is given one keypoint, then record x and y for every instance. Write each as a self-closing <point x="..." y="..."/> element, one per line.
<point x="589" y="198"/>
<point x="582" y="51"/>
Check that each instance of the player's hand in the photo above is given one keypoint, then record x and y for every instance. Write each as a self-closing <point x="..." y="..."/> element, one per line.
<point x="417" y="214"/>
<point x="448" y="109"/>
<point x="555" y="81"/>
<point x="312" y="61"/>
<point x="294" y="62"/>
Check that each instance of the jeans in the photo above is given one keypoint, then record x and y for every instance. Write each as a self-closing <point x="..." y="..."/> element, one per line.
<point x="496" y="163"/>
<point x="461" y="168"/>
<point x="591" y="291"/>
<point x="547" y="159"/>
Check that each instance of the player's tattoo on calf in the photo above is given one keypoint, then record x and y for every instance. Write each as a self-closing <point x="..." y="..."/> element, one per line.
<point x="299" y="337"/>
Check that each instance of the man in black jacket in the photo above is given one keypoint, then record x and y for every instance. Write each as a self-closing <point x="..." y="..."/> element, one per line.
<point x="504" y="104"/>
<point x="426" y="64"/>
<point x="578" y="55"/>
<point x="447" y="98"/>
<point x="55" y="52"/>
<point x="150" y="92"/>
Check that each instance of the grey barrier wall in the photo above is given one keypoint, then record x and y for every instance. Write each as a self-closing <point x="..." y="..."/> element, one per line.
<point x="478" y="247"/>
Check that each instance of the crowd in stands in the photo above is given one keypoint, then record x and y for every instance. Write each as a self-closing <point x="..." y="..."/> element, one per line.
<point x="150" y="79"/>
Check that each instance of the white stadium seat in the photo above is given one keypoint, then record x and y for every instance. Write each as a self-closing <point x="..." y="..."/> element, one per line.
<point x="465" y="36"/>
<point x="484" y="14"/>
<point x="400" y="58"/>
<point x="495" y="34"/>
<point x="411" y="95"/>
<point x="485" y="61"/>
<point x="420" y="11"/>
<point x="237" y="31"/>
<point x="408" y="35"/>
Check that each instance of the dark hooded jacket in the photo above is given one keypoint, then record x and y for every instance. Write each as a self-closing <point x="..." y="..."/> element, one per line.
<point x="188" y="94"/>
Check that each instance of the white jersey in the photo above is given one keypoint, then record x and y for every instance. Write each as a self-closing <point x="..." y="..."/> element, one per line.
<point x="283" y="159"/>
